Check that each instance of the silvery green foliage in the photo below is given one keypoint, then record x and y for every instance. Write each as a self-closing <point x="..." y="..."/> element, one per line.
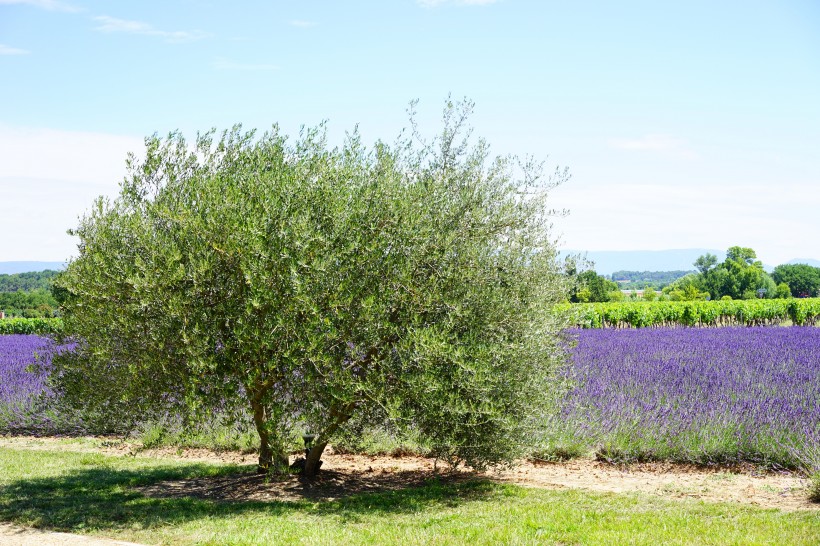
<point x="308" y="283"/>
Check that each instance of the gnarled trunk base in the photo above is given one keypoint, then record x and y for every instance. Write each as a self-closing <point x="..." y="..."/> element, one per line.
<point x="270" y="461"/>
<point x="313" y="461"/>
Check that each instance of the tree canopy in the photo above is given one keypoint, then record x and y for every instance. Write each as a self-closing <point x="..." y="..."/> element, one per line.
<point x="307" y="285"/>
<point x="27" y="282"/>
<point x="739" y="276"/>
<point x="803" y="280"/>
<point x="591" y="287"/>
<point x="34" y="304"/>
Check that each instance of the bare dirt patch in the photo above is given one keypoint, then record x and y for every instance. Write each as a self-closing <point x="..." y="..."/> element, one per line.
<point x="344" y="475"/>
<point x="745" y="485"/>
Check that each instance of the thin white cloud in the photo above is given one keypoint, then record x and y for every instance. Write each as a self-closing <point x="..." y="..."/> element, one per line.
<point x="222" y="63"/>
<point x="8" y="50"/>
<point x="109" y="24"/>
<point x="55" y="175"/>
<point x="300" y="23"/>
<point x="654" y="143"/>
<point x="619" y="216"/>
<point x="436" y="3"/>
<point x="49" y="5"/>
<point x="64" y="155"/>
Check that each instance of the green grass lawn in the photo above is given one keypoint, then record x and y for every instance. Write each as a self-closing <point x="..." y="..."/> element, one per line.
<point x="92" y="493"/>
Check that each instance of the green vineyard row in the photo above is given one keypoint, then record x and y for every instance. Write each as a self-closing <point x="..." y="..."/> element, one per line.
<point x="641" y="314"/>
<point x="632" y="314"/>
<point x="30" y="326"/>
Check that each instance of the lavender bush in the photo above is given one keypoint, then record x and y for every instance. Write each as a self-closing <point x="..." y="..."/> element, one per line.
<point x="28" y="406"/>
<point x="695" y="395"/>
<point x="24" y="394"/>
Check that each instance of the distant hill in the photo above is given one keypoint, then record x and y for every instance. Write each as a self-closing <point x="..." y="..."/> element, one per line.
<point x="28" y="281"/>
<point x="609" y="261"/>
<point x="9" y="268"/>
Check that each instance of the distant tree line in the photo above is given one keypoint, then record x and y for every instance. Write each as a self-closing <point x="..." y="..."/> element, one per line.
<point x="803" y="280"/>
<point x="28" y="282"/>
<point x="35" y="304"/>
<point x="28" y="295"/>
<point x="590" y="287"/>
<point x="637" y="280"/>
<point x="740" y="276"/>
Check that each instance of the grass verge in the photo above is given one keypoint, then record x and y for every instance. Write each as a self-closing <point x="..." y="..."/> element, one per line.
<point x="93" y="493"/>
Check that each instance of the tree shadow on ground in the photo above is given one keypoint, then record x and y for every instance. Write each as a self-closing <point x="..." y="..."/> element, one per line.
<point x="107" y="498"/>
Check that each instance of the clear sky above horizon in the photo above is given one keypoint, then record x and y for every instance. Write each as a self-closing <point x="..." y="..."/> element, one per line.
<point x="684" y="124"/>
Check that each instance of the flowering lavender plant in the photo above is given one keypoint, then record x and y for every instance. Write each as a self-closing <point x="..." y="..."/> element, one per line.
<point x="698" y="395"/>
<point x="24" y="360"/>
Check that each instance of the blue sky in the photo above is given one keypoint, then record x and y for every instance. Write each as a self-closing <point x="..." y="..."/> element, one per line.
<point x="684" y="124"/>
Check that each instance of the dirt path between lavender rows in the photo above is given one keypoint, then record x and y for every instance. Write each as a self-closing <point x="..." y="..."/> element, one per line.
<point x="349" y="474"/>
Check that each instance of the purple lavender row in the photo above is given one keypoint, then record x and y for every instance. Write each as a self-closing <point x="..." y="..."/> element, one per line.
<point x="700" y="395"/>
<point x="23" y="389"/>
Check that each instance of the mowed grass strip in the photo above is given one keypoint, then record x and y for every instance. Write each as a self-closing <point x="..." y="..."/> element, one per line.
<point x="94" y="493"/>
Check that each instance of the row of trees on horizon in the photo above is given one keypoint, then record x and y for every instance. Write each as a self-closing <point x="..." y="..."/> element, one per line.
<point x="739" y="276"/>
<point x="28" y="295"/>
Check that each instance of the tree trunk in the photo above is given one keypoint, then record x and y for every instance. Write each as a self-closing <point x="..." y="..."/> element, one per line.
<point x="313" y="459"/>
<point x="270" y="461"/>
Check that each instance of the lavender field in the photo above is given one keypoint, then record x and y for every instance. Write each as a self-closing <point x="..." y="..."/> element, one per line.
<point x="704" y="395"/>
<point x="712" y="395"/>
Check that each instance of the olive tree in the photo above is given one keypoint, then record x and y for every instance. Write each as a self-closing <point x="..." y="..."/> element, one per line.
<point x="306" y="284"/>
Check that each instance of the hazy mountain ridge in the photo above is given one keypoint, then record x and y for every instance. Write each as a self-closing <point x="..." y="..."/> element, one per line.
<point x="608" y="261"/>
<point x="9" y="268"/>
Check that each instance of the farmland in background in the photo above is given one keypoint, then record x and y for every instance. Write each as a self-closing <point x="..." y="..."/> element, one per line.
<point x="628" y="314"/>
<point x="637" y="280"/>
